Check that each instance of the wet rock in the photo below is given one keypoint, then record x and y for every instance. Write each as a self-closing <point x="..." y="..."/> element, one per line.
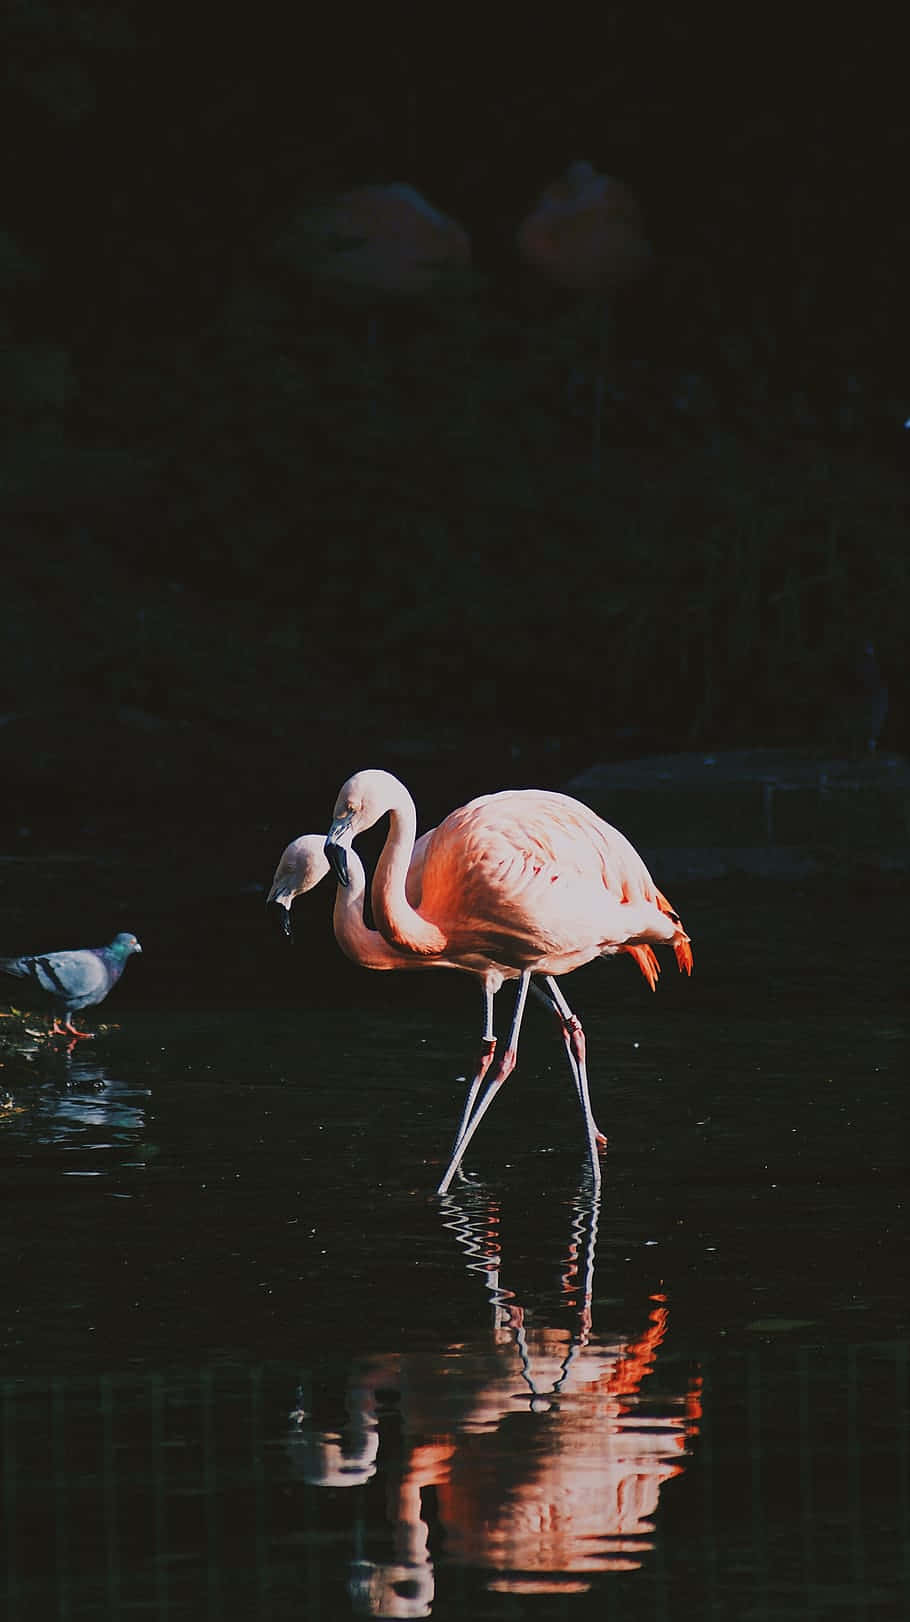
<point x="766" y="812"/>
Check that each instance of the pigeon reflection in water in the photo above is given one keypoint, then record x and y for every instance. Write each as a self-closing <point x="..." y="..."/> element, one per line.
<point x="545" y="1453"/>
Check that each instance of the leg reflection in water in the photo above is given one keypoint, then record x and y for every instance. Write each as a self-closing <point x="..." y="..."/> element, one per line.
<point x="546" y="1443"/>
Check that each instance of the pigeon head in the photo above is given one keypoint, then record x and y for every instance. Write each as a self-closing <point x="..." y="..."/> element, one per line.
<point x="123" y="945"/>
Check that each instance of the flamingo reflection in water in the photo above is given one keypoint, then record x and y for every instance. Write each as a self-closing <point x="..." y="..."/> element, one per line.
<point x="543" y="1446"/>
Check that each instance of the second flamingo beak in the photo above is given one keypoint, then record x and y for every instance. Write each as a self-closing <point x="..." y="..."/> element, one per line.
<point x="336" y="853"/>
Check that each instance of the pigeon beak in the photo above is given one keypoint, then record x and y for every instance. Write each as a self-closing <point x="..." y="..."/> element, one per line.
<point x="136" y="946"/>
<point x="335" y="851"/>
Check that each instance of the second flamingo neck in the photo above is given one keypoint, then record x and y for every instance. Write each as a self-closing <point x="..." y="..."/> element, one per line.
<point x="394" y="914"/>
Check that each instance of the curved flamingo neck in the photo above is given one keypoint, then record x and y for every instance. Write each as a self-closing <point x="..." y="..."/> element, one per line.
<point x="360" y="943"/>
<point x="365" y="946"/>
<point x="397" y="919"/>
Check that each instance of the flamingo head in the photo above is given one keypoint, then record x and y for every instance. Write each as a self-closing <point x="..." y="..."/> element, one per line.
<point x="362" y="800"/>
<point x="303" y="864"/>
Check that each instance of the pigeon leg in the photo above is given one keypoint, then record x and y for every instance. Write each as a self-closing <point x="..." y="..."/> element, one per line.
<point x="69" y="1029"/>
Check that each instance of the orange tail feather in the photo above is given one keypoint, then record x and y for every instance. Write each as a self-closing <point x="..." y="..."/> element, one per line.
<point x="646" y="961"/>
<point x="681" y="946"/>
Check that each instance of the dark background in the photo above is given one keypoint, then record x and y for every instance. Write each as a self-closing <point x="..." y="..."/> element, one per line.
<point x="259" y="536"/>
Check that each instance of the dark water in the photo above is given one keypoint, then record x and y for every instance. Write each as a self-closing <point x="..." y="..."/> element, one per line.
<point x="253" y="1367"/>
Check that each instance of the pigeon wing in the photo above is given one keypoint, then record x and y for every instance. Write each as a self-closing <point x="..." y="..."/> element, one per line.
<point x="76" y="978"/>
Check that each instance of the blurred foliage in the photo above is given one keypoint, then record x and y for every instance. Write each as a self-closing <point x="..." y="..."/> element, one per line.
<point x="230" y="497"/>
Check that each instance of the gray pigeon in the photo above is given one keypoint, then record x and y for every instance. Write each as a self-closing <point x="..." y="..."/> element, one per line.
<point x="74" y="980"/>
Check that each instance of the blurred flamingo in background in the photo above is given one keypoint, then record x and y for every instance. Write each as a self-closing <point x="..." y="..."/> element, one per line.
<point x="383" y="239"/>
<point x="527" y="881"/>
<point x="585" y="234"/>
<point x="380" y="245"/>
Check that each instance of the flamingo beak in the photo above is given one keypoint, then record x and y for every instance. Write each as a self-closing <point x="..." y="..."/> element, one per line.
<point x="280" y="909"/>
<point x="335" y="852"/>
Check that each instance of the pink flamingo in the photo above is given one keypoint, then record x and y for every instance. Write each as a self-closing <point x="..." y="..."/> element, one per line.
<point x="527" y="881"/>
<point x="304" y="864"/>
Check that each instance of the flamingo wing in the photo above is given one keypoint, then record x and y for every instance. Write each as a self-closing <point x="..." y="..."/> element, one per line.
<point x="531" y="876"/>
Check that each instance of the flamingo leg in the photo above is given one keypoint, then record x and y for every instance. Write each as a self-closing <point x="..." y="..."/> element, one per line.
<point x="551" y="1003"/>
<point x="574" y="1038"/>
<point x="506" y="1066"/>
<point x="487" y="1050"/>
